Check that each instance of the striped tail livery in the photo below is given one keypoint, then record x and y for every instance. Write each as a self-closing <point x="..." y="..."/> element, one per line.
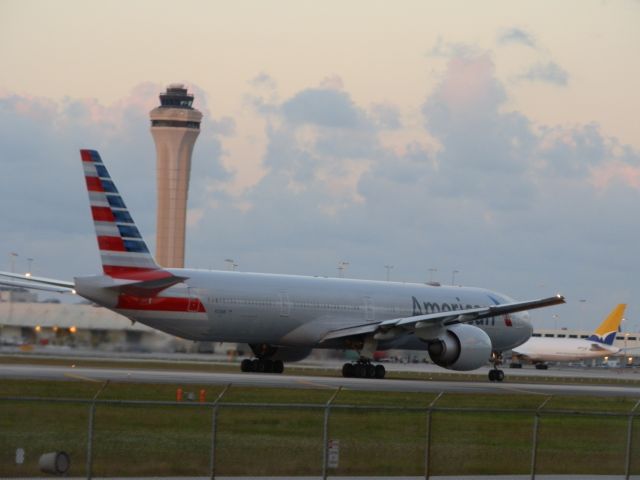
<point x="122" y="249"/>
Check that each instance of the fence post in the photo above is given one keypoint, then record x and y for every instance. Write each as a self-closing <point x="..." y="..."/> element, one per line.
<point x="427" y="447"/>
<point x="627" y="469"/>
<point x="534" y="446"/>
<point x="325" y="433"/>
<point x="92" y="414"/>
<point x="214" y="432"/>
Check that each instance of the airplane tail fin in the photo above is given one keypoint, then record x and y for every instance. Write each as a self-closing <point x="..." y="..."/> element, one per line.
<point x="124" y="253"/>
<point x="606" y="332"/>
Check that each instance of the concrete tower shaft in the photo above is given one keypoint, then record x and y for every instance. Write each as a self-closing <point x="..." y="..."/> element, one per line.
<point x="175" y="126"/>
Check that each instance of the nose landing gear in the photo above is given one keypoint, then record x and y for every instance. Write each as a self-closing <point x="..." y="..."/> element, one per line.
<point x="495" y="374"/>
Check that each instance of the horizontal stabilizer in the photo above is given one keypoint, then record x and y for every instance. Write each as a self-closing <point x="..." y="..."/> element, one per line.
<point x="147" y="284"/>
<point x="17" y="280"/>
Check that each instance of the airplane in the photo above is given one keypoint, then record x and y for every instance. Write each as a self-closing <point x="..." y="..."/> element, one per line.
<point x="284" y="317"/>
<point x="539" y="350"/>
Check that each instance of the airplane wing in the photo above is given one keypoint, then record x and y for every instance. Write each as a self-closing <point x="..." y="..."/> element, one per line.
<point x="36" y="283"/>
<point x="408" y="324"/>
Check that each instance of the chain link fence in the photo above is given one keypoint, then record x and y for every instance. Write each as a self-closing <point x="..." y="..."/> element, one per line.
<point x="108" y="438"/>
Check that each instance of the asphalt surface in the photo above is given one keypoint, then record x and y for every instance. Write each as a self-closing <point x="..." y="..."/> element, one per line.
<point x="71" y="373"/>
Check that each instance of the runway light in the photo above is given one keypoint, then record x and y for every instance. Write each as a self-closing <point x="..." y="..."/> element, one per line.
<point x="73" y="291"/>
<point x="73" y="329"/>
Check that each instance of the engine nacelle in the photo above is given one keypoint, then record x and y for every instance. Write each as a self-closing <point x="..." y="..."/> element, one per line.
<point x="462" y="347"/>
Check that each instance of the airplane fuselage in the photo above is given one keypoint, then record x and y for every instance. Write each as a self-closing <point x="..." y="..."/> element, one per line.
<point x="538" y="349"/>
<point x="289" y="310"/>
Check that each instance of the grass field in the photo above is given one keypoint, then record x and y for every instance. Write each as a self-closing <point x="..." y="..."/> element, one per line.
<point x="175" y="440"/>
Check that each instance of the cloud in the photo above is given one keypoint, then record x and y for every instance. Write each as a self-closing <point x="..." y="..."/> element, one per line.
<point x="386" y="116"/>
<point x="479" y="187"/>
<point x="549" y="72"/>
<point x="517" y="36"/>
<point x="323" y="107"/>
<point x="41" y="187"/>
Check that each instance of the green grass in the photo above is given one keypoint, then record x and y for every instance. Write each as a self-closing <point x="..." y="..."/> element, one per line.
<point x="149" y="440"/>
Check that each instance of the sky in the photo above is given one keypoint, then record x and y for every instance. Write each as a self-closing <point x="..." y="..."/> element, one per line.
<point x="497" y="139"/>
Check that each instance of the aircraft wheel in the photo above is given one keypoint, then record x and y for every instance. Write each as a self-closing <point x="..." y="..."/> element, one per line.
<point x="256" y="365"/>
<point x="246" y="365"/>
<point x="278" y="366"/>
<point x="347" y="370"/>
<point x="360" y="371"/>
<point x="380" y="371"/>
<point x="370" y="371"/>
<point x="499" y="375"/>
<point x="541" y="366"/>
<point x="267" y="365"/>
<point x="492" y="375"/>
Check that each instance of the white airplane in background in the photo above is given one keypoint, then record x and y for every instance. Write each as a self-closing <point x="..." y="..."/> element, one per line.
<point x="283" y="317"/>
<point x="539" y="350"/>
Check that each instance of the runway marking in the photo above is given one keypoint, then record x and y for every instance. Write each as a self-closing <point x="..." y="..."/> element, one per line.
<point x="522" y="390"/>
<point x="313" y="384"/>
<point x="80" y="377"/>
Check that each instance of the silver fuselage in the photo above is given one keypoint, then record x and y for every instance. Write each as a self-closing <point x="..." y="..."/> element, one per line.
<point x="289" y="310"/>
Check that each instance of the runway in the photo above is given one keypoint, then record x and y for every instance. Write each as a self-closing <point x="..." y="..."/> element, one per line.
<point x="69" y="373"/>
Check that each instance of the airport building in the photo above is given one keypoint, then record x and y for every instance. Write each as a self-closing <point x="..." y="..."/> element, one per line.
<point x="175" y="126"/>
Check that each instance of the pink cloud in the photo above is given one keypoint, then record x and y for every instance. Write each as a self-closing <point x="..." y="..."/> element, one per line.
<point x="468" y="83"/>
<point x="603" y="176"/>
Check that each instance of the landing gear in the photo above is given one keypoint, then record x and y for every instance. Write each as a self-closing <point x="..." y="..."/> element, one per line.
<point x="363" y="369"/>
<point x="262" y="365"/>
<point x="495" y="374"/>
<point x="541" y="366"/>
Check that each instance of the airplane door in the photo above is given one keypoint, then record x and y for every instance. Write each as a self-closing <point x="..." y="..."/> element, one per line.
<point x="192" y="302"/>
<point x="369" y="312"/>
<point x="285" y="304"/>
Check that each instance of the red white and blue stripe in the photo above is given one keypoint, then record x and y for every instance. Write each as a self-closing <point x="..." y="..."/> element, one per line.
<point x="124" y="253"/>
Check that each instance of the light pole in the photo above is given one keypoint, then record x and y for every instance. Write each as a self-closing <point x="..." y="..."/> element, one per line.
<point x="12" y="261"/>
<point x="341" y="268"/>
<point x="453" y="276"/>
<point x="431" y="272"/>
<point x="29" y="263"/>
<point x="388" y="267"/>
<point x="582" y="304"/>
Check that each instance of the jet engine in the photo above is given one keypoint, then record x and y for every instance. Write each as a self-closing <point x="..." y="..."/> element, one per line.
<point x="462" y="347"/>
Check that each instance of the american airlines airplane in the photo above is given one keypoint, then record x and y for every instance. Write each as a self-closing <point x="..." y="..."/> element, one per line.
<point x="284" y="317"/>
<point x="539" y="350"/>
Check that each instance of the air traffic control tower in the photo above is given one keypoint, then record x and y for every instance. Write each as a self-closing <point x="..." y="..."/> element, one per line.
<point x="175" y="125"/>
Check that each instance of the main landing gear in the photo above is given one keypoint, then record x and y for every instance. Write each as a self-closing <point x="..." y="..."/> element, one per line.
<point x="363" y="369"/>
<point x="495" y="374"/>
<point x="262" y="365"/>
